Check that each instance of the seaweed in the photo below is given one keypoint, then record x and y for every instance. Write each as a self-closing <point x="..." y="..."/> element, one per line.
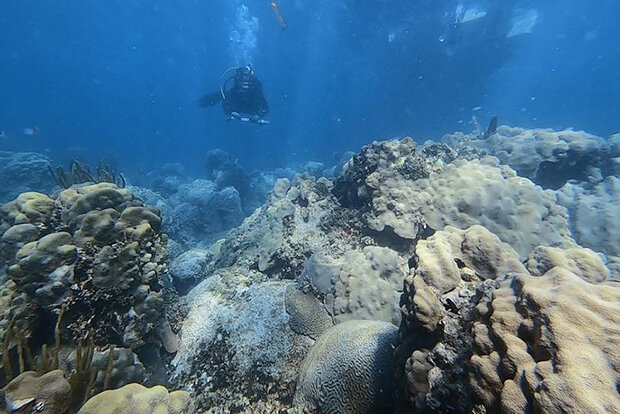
<point x="81" y="379"/>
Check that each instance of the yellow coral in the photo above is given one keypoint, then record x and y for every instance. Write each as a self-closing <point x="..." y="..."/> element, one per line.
<point x="137" y="399"/>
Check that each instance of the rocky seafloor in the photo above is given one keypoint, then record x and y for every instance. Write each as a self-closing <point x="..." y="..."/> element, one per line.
<point x="472" y="274"/>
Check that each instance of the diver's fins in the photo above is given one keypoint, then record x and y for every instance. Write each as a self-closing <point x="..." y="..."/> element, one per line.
<point x="210" y="99"/>
<point x="492" y="128"/>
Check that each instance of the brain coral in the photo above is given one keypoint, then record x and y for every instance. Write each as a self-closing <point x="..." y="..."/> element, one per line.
<point x="549" y="344"/>
<point x="307" y="315"/>
<point x="137" y="399"/>
<point x="348" y="370"/>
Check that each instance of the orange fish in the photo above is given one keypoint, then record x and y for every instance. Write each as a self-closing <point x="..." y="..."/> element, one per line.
<point x="279" y="17"/>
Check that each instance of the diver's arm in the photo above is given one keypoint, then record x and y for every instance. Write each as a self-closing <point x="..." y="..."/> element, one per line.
<point x="210" y="99"/>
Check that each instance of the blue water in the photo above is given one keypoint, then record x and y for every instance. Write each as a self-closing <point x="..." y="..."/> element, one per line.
<point x="121" y="79"/>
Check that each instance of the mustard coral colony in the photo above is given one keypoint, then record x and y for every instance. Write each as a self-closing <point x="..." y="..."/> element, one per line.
<point x="92" y="258"/>
<point x="445" y="277"/>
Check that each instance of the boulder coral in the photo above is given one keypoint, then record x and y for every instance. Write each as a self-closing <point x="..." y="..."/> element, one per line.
<point x="466" y="193"/>
<point x="594" y="212"/>
<point x="357" y="285"/>
<point x="548" y="344"/>
<point x="94" y="250"/>
<point x="547" y="157"/>
<point x="481" y="333"/>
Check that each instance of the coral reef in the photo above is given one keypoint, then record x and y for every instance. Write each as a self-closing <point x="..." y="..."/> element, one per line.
<point x="319" y="253"/>
<point x="548" y="158"/>
<point x="233" y="333"/>
<point x="197" y="213"/>
<point x="406" y="190"/>
<point x="201" y="208"/>
<point x="504" y="294"/>
<point x="22" y="172"/>
<point x="137" y="399"/>
<point x="112" y="371"/>
<point x="348" y="370"/>
<point x="189" y="268"/>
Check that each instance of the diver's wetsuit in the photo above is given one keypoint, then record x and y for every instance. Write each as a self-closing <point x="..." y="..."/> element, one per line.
<point x="245" y="96"/>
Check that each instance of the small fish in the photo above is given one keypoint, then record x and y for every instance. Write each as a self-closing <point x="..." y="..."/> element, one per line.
<point x="279" y="17"/>
<point x="4" y="135"/>
<point x="33" y="130"/>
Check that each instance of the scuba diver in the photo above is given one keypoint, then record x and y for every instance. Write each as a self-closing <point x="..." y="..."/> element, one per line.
<point x="241" y="95"/>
